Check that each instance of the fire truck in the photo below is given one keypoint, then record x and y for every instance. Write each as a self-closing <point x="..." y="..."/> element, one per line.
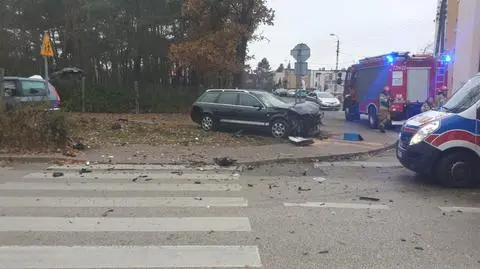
<point x="412" y="80"/>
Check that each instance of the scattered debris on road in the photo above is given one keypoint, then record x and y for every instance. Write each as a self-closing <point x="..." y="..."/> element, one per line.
<point x="352" y="137"/>
<point x="238" y="134"/>
<point x="84" y="171"/>
<point x="107" y="212"/>
<point x="371" y="199"/>
<point x="139" y="177"/>
<point x="271" y="185"/>
<point x="57" y="174"/>
<point x="303" y="189"/>
<point x="301" y="141"/>
<point x="224" y="161"/>
<point x="319" y="179"/>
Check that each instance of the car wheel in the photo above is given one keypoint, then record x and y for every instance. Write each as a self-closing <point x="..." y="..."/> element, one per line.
<point x="457" y="170"/>
<point x="207" y="123"/>
<point x="373" y="118"/>
<point x="280" y="129"/>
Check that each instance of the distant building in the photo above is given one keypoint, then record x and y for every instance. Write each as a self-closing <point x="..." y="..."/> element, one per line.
<point x="323" y="80"/>
<point x="326" y="80"/>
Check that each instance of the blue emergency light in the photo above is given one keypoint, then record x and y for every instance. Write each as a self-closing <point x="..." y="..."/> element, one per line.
<point x="447" y="58"/>
<point x="390" y="59"/>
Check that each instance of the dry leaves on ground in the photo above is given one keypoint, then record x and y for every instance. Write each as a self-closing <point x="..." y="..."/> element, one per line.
<point x="152" y="129"/>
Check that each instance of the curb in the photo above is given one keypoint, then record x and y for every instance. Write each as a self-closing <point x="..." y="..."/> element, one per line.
<point x="326" y="158"/>
<point x="312" y="159"/>
<point x="39" y="159"/>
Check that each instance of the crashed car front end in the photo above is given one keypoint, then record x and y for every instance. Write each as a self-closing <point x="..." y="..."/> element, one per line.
<point x="306" y="119"/>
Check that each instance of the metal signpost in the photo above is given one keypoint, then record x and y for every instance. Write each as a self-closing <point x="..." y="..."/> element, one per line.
<point x="301" y="53"/>
<point x="46" y="51"/>
<point x="2" y="89"/>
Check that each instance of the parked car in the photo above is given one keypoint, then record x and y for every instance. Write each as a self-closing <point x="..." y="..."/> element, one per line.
<point x="21" y="90"/>
<point x="325" y="99"/>
<point x="291" y="93"/>
<point x="281" y="92"/>
<point x="53" y="95"/>
<point x="256" y="109"/>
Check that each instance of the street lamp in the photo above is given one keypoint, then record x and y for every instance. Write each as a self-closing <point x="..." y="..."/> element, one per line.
<point x="338" y="52"/>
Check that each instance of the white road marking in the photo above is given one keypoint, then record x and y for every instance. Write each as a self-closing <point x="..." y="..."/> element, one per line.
<point x="56" y="257"/>
<point x="358" y="164"/>
<point x="462" y="209"/>
<point x="139" y="167"/>
<point x="126" y="175"/>
<point x="87" y="186"/>
<point x="108" y="224"/>
<point x="337" y="205"/>
<point x="114" y="202"/>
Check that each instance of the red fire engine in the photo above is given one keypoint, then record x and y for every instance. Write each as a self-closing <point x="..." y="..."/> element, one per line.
<point x="412" y="80"/>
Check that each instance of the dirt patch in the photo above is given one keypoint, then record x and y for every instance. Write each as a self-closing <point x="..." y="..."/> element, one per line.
<point x="97" y="130"/>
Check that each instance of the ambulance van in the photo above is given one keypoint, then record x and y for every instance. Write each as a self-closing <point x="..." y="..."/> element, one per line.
<point x="444" y="144"/>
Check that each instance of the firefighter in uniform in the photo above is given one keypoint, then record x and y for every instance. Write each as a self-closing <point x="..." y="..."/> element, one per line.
<point x="384" y="113"/>
<point x="428" y="105"/>
<point x="441" y="97"/>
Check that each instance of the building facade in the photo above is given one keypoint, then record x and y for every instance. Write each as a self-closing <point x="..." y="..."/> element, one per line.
<point x="461" y="39"/>
<point x="467" y="43"/>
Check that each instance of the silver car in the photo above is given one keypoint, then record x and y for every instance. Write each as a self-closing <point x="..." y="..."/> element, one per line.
<point x="325" y="99"/>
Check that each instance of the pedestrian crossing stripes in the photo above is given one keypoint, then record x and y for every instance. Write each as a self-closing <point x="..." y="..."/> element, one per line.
<point x="73" y="257"/>
<point x="113" y="187"/>
<point x="114" y="190"/>
<point x="134" y="176"/>
<point x="140" y="167"/>
<point x="57" y="224"/>
<point x="123" y="201"/>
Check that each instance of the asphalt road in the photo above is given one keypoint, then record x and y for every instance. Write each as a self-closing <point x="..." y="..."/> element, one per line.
<point x="282" y="216"/>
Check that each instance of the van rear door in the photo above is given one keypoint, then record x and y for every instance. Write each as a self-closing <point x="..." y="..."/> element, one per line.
<point x="418" y="83"/>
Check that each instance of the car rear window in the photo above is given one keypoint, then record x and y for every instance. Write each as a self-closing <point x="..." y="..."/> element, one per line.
<point x="34" y="88"/>
<point x="228" y="98"/>
<point x="208" y="97"/>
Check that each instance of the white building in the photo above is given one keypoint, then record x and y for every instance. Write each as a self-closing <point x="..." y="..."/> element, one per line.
<point x="467" y="47"/>
<point x="325" y="80"/>
<point x="461" y="39"/>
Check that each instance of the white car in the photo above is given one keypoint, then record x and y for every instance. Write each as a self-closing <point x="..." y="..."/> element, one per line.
<point x="325" y="99"/>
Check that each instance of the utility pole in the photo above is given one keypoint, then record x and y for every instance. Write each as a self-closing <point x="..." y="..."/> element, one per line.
<point x="442" y="17"/>
<point x="336" y="65"/>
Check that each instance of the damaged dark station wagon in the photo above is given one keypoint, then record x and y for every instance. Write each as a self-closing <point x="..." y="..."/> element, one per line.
<point x="256" y="109"/>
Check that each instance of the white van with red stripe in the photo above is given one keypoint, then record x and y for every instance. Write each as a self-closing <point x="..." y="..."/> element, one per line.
<point x="444" y="144"/>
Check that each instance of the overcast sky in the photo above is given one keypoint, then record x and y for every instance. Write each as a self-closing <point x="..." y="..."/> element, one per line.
<point x="365" y="28"/>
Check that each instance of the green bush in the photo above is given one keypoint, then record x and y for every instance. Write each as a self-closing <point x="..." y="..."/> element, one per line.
<point x="33" y="127"/>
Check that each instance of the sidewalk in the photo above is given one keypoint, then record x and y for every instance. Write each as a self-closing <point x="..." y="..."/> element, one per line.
<point x="335" y="145"/>
<point x="321" y="150"/>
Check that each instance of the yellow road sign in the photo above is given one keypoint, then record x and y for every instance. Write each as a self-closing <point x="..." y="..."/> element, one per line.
<point x="47" y="49"/>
